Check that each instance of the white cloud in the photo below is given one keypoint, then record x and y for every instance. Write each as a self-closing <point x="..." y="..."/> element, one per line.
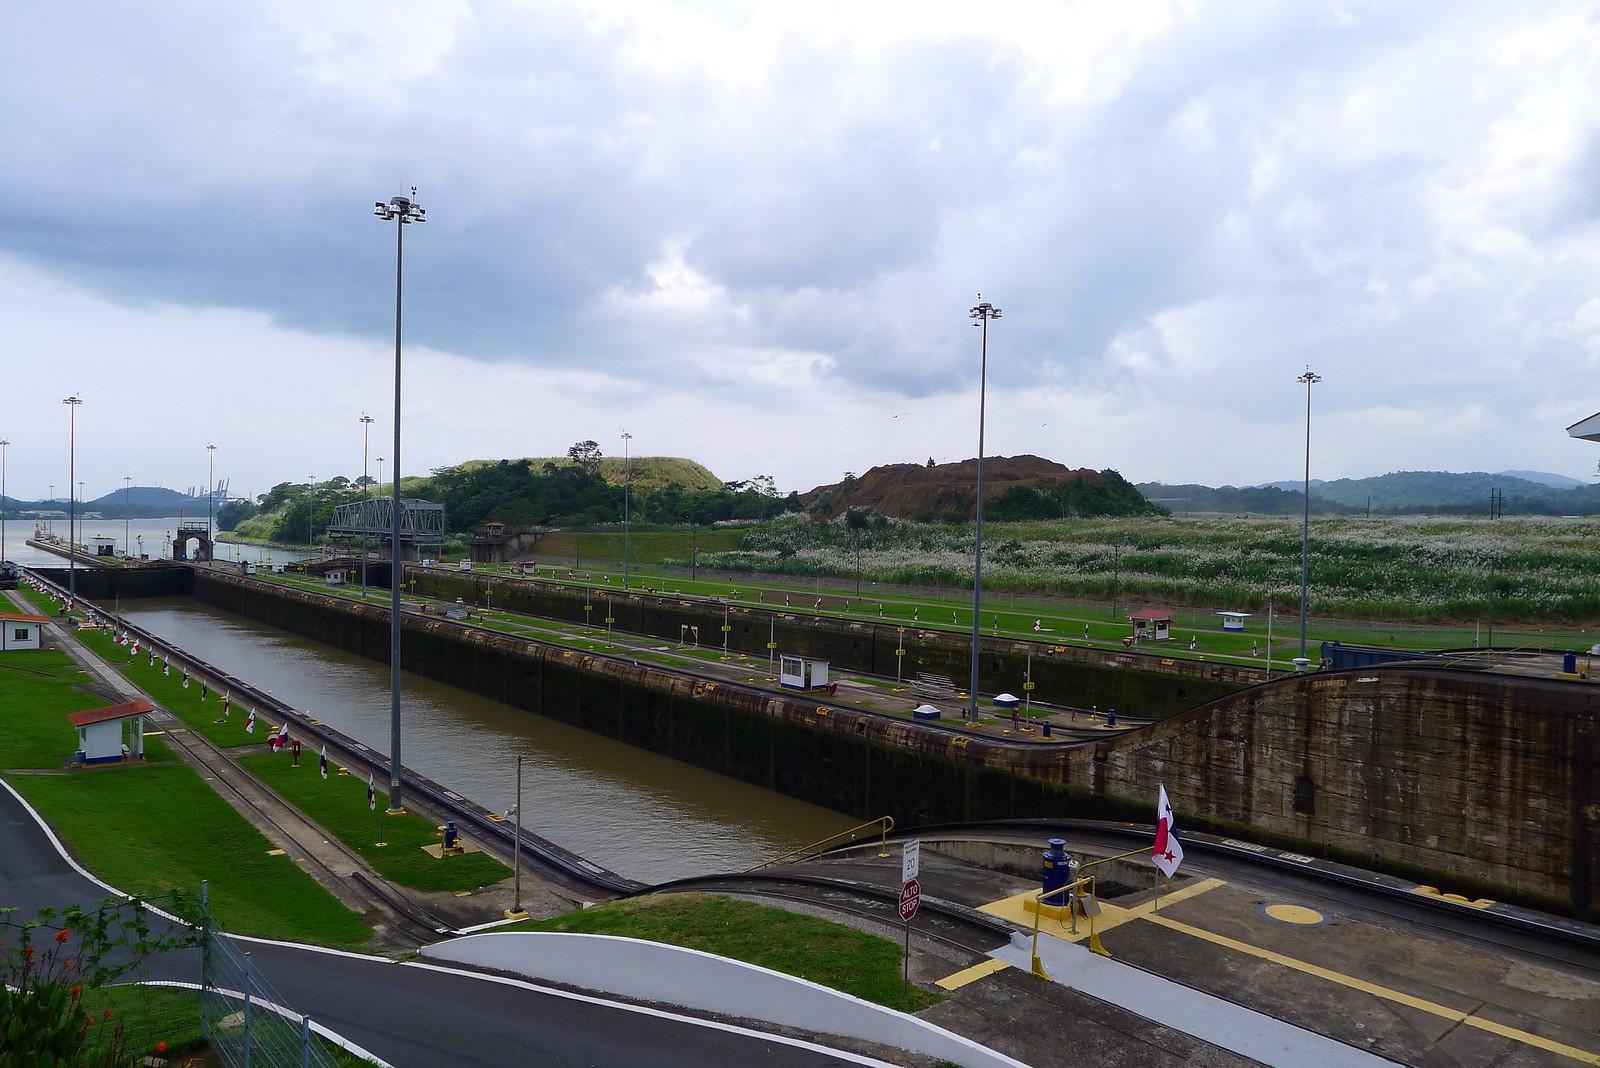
<point x="749" y="233"/>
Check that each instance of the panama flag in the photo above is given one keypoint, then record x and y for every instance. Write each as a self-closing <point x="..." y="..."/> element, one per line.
<point x="250" y="722"/>
<point x="1168" y="851"/>
<point x="279" y="739"/>
<point x="166" y="665"/>
<point x="372" y="796"/>
<point x="322" y="763"/>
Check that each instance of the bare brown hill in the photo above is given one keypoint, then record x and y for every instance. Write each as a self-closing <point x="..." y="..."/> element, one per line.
<point x="948" y="491"/>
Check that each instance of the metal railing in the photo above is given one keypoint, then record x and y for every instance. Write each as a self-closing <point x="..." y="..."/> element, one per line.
<point x="884" y="824"/>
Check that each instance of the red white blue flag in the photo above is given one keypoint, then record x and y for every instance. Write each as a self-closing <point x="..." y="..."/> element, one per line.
<point x="372" y="795"/>
<point x="322" y="764"/>
<point x="1167" y="851"/>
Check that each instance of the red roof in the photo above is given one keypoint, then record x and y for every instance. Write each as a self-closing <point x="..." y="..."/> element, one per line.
<point x="1152" y="613"/>
<point x="24" y="617"/>
<point x="109" y="712"/>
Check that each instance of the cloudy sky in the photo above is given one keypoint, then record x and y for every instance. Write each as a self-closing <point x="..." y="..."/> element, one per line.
<point x="751" y="234"/>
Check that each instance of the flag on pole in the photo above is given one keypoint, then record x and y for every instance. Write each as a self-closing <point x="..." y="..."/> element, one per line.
<point x="227" y="704"/>
<point x="1167" y="851"/>
<point x="280" y="739"/>
<point x="166" y="665"/>
<point x="250" y="722"/>
<point x="372" y="796"/>
<point x="185" y="678"/>
<point x="322" y="762"/>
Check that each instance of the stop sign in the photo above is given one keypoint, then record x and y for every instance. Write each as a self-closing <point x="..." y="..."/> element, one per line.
<point x="910" y="898"/>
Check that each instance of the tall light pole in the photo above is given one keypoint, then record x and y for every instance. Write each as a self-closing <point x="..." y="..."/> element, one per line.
<point x="311" y="509"/>
<point x="3" y="445"/>
<point x="402" y="211"/>
<point x="366" y="430"/>
<point x="983" y="312"/>
<point x="626" y="437"/>
<point x="127" y="483"/>
<point x="211" y="496"/>
<point x="1309" y="379"/>
<point x="72" y="403"/>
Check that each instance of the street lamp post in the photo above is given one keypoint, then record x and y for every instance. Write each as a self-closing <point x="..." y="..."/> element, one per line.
<point x="3" y="445"/>
<point x="983" y="312"/>
<point x="1309" y="379"/>
<point x="366" y="430"/>
<point x="127" y="483"/>
<point x="311" y="510"/>
<point x="402" y="211"/>
<point x="72" y="403"/>
<point x="211" y="497"/>
<point x="626" y="437"/>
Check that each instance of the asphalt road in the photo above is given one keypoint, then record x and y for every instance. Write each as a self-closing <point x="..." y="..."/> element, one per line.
<point x="420" y="1015"/>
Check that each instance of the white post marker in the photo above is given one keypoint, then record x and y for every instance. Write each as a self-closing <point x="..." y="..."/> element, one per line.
<point x="910" y="860"/>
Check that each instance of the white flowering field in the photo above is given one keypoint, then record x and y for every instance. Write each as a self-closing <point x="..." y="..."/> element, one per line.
<point x="1421" y="568"/>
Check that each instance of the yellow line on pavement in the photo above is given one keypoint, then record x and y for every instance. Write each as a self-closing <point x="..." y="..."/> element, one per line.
<point x="971" y="975"/>
<point x="1396" y="996"/>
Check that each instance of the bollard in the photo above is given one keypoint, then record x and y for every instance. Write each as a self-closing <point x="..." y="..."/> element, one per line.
<point x="1047" y="728"/>
<point x="1056" y="868"/>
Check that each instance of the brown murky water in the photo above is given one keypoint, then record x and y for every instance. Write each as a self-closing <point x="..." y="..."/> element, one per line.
<point x="637" y="813"/>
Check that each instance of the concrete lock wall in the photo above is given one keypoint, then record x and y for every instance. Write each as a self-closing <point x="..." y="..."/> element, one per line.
<point x="1136" y="684"/>
<point x="1458" y="778"/>
<point x="105" y="585"/>
<point x="1453" y="775"/>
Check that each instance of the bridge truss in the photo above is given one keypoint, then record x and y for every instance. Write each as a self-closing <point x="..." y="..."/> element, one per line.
<point x="421" y="524"/>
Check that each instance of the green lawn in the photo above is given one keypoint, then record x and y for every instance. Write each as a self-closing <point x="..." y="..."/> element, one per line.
<point x="154" y="828"/>
<point x="339" y="805"/>
<point x="830" y="954"/>
<point x="38" y="689"/>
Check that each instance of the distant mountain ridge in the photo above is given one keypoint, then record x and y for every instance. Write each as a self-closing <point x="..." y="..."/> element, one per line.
<point x="1443" y="492"/>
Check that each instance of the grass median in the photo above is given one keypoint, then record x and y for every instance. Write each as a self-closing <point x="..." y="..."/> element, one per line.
<point x="338" y="805"/>
<point x="827" y="953"/>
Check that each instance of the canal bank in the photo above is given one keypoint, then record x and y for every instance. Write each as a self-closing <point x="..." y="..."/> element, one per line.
<point x="1407" y="769"/>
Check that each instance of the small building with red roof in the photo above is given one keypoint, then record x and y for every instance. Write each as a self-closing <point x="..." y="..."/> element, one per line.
<point x="21" y="630"/>
<point x="101" y="732"/>
<point x="1151" y="624"/>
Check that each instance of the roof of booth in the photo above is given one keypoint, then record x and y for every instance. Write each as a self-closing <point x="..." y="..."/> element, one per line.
<point x="100" y="715"/>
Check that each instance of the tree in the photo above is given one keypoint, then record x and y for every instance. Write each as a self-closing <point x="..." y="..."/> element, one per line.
<point x="586" y="454"/>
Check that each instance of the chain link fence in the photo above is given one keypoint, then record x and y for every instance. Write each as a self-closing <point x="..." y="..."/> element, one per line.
<point x="247" y="1022"/>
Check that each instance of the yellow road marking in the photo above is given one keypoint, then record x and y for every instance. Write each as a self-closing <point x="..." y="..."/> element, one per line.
<point x="1015" y="909"/>
<point x="1396" y="996"/>
<point x="971" y="975"/>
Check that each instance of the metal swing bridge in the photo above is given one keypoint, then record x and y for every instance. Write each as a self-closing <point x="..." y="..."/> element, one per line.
<point x="421" y="525"/>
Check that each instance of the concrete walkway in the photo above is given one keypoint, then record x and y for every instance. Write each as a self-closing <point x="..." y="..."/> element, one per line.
<point x="1222" y="1023"/>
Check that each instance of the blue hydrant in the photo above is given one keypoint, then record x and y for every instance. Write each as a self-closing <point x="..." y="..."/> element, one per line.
<point x="450" y="834"/>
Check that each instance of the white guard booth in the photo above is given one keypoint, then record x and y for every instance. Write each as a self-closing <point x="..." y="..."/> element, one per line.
<point x="802" y="673"/>
<point x="20" y="630"/>
<point x="100" y="732"/>
<point x="1233" y="620"/>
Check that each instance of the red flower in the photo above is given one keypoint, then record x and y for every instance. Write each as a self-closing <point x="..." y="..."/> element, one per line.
<point x="107" y="1015"/>
<point x="27" y="953"/>
<point x="62" y="935"/>
<point x="77" y="991"/>
<point x="161" y="1046"/>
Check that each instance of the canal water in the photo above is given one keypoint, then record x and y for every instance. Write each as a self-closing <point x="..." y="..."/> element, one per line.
<point x="152" y="537"/>
<point x="642" y="815"/>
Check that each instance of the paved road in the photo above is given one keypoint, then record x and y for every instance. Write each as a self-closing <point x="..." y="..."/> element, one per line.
<point x="422" y="1015"/>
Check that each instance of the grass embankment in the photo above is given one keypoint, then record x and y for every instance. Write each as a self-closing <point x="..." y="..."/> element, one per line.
<point x="826" y="953"/>
<point x="338" y="804"/>
<point x="152" y="827"/>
